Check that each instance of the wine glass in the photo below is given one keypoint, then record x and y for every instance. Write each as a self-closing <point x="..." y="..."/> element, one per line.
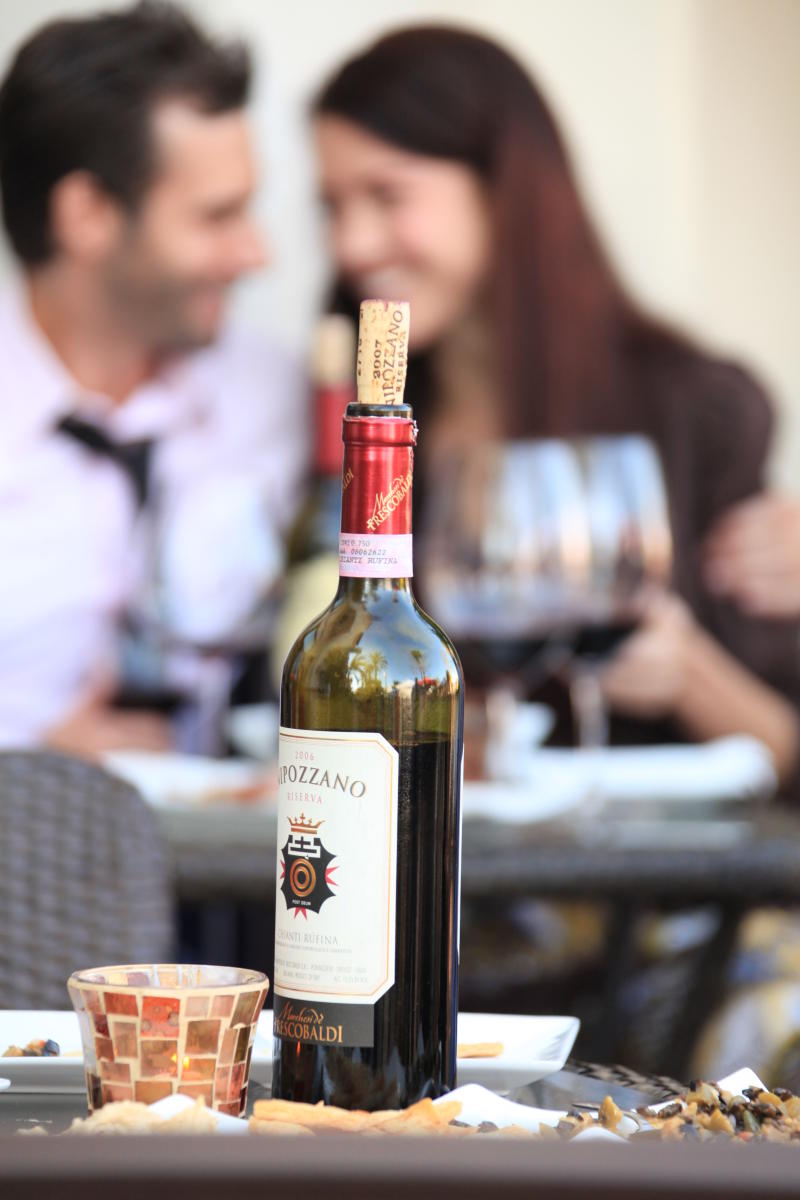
<point x="631" y="554"/>
<point x="184" y="637"/>
<point x="505" y="551"/>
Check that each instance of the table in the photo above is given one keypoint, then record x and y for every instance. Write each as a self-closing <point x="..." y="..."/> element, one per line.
<point x="328" y="1169"/>
<point x="737" y="862"/>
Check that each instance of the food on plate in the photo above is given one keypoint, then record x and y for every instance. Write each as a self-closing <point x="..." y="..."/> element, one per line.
<point x="274" y="1116"/>
<point x="609" y="1114"/>
<point x="128" y="1116"/>
<point x="704" y="1113"/>
<point x="707" y="1110"/>
<point x="479" y="1049"/>
<point x="40" y="1048"/>
<point x="261" y="790"/>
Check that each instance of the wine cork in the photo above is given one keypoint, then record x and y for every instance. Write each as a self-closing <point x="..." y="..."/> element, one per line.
<point x="333" y="352"/>
<point x="382" y="351"/>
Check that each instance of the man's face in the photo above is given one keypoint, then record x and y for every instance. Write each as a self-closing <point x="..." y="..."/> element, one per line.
<point x="192" y="235"/>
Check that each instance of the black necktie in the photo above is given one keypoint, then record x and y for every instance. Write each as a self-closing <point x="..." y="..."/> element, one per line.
<point x="132" y="457"/>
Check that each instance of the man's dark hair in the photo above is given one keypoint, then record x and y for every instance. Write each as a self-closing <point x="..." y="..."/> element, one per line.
<point x="79" y="95"/>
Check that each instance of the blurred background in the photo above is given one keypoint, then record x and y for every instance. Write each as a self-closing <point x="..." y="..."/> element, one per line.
<point x="683" y="117"/>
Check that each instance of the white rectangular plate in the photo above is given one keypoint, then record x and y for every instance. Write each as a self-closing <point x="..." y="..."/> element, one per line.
<point x="532" y="1048"/>
<point x="477" y="1103"/>
<point x="727" y="770"/>
<point x="62" y="1074"/>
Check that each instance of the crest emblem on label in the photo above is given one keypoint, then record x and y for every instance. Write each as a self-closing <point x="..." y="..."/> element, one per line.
<point x="306" y="873"/>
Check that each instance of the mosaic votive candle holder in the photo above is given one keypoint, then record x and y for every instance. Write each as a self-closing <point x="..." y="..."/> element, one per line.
<point x="150" y="1030"/>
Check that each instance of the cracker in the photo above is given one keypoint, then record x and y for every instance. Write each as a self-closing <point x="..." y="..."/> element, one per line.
<point x="279" y="1128"/>
<point x="480" y="1049"/>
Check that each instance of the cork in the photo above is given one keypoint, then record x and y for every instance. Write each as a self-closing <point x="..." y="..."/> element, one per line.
<point x="333" y="351"/>
<point x="382" y="351"/>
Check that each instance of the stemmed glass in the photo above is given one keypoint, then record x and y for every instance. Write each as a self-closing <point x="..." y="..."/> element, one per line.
<point x="168" y="660"/>
<point x="537" y="558"/>
<point x="631" y="556"/>
<point x="505" y="553"/>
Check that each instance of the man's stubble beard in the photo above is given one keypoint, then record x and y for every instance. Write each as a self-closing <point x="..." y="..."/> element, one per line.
<point x="152" y="306"/>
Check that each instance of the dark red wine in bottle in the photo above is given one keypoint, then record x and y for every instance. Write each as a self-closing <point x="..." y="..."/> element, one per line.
<point x="366" y="933"/>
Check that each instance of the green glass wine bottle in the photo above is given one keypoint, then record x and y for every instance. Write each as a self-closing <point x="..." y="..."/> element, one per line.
<point x="365" y="984"/>
<point x="312" y="546"/>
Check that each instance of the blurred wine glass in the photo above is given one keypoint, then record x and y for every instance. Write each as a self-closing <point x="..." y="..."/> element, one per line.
<point x="505" y="553"/>
<point x="537" y="557"/>
<point x="631" y="555"/>
<point x="184" y="638"/>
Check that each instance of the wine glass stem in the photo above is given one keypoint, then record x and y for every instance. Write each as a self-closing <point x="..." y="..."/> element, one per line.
<point x="589" y="707"/>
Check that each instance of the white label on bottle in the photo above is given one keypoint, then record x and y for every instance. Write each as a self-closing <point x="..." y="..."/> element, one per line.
<point x="336" y="883"/>
<point x="376" y="555"/>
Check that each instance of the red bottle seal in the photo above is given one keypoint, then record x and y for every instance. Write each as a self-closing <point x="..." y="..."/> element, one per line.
<point x="375" y="541"/>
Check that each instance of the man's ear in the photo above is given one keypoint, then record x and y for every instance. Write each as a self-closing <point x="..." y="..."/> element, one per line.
<point x="86" y="221"/>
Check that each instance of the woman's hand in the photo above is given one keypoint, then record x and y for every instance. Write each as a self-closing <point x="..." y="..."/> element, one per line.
<point x="671" y="667"/>
<point x="753" y="556"/>
<point x="648" y="675"/>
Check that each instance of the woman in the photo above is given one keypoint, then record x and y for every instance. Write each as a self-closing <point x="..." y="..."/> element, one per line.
<point x="447" y="183"/>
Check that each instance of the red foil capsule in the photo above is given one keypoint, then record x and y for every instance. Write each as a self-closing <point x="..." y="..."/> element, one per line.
<point x="376" y="497"/>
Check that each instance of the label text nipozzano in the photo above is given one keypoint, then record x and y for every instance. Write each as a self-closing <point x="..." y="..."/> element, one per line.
<point x="317" y="777"/>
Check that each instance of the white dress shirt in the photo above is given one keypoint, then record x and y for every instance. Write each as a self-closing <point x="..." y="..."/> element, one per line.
<point x="230" y="446"/>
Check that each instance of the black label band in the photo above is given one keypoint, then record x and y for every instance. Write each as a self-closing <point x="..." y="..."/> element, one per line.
<point x="325" y="1024"/>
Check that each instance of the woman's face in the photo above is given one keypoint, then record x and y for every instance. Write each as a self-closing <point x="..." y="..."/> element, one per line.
<point x="404" y="226"/>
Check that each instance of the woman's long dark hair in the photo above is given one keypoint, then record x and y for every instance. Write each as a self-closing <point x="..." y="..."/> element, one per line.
<point x="564" y="326"/>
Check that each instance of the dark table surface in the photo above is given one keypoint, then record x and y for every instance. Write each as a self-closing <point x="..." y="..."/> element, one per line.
<point x="335" y="1167"/>
<point x="35" y="1167"/>
<point x="737" y="857"/>
<point x="744" y="853"/>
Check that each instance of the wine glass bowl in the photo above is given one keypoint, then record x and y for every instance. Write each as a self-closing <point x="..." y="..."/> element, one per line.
<point x="631" y="539"/>
<point x="540" y="555"/>
<point x="505" y="550"/>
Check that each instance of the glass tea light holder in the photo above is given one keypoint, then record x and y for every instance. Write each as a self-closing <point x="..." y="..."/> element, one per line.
<point x="155" y="1029"/>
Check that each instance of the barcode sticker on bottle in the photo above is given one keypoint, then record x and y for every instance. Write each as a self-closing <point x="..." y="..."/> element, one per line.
<point x="376" y="555"/>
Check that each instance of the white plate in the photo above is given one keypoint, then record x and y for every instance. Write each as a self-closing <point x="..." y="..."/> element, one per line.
<point x="171" y="1105"/>
<point x="189" y="781"/>
<point x="532" y="1048"/>
<point x="62" y="1074"/>
<point x="252" y="730"/>
<point x="550" y="794"/>
<point x="478" y="1104"/>
<point x="731" y="769"/>
<point x="4" y="1084"/>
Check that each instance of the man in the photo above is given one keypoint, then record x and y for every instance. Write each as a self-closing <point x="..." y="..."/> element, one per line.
<point x="126" y="173"/>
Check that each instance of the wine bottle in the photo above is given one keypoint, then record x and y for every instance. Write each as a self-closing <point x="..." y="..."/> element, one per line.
<point x="312" y="547"/>
<point x="366" y="932"/>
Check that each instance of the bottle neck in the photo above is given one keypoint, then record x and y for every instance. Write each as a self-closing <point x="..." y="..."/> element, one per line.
<point x="375" y="542"/>
<point x="371" y="589"/>
<point x="329" y="408"/>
